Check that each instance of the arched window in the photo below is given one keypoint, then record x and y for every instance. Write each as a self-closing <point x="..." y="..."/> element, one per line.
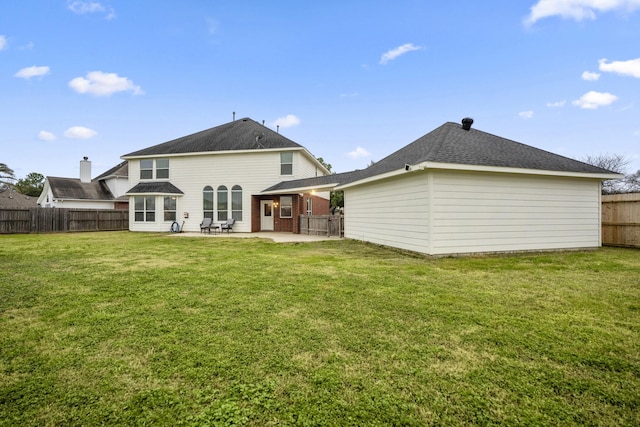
<point x="223" y="203"/>
<point x="207" y="202"/>
<point x="236" y="203"/>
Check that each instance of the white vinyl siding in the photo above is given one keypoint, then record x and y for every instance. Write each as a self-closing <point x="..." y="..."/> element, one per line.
<point x="475" y="212"/>
<point x="253" y="171"/>
<point x="449" y="212"/>
<point x="393" y="212"/>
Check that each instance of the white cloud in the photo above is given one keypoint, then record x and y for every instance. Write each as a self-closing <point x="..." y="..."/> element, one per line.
<point x="525" y="114"/>
<point x="82" y="7"/>
<point x="28" y="72"/>
<point x="625" y="68"/>
<point x="43" y="135"/>
<point x="3" y="42"/>
<point x="592" y="100"/>
<point x="103" y="84"/>
<point x="578" y="9"/>
<point x="80" y="132"/>
<point x="400" y="50"/>
<point x="590" y="77"/>
<point x="556" y="104"/>
<point x="358" y="152"/>
<point x="287" y="121"/>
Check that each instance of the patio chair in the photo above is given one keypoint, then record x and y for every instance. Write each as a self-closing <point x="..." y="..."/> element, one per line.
<point x="227" y="225"/>
<point x="206" y="225"/>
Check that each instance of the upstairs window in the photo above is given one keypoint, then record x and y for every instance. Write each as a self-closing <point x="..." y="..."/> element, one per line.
<point x="286" y="163"/>
<point x="162" y="169"/>
<point x="286" y="206"/>
<point x="146" y="169"/>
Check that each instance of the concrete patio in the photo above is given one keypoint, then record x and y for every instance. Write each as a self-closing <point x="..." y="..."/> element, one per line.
<point x="272" y="235"/>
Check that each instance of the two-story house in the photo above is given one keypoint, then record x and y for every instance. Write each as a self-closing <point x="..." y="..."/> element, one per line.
<point x="221" y="173"/>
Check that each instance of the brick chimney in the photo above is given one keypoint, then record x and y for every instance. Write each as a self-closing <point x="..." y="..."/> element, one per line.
<point x="85" y="170"/>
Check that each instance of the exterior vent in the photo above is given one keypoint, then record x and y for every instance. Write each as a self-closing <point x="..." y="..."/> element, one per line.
<point x="466" y="123"/>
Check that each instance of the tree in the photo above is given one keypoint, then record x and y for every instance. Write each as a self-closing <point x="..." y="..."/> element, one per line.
<point x="323" y="163"/>
<point x="337" y="200"/>
<point x="6" y="177"/>
<point x="31" y="185"/>
<point x="615" y="163"/>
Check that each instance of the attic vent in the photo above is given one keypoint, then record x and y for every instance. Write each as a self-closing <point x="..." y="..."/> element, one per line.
<point x="466" y="123"/>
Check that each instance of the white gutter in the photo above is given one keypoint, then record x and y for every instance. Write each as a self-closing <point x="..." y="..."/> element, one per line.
<point x="300" y="190"/>
<point x="477" y="168"/>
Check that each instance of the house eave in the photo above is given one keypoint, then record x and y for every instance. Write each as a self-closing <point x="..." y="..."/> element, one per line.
<point x="214" y="153"/>
<point x="302" y="190"/>
<point x="521" y="171"/>
<point x="424" y="166"/>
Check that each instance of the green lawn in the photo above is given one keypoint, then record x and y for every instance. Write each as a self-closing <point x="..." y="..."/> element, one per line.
<point x="146" y="329"/>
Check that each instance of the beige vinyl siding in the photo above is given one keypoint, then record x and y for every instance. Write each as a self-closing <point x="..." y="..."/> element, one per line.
<point x="394" y="212"/>
<point x="253" y="171"/>
<point x="475" y="212"/>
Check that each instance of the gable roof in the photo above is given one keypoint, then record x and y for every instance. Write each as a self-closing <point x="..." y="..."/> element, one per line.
<point x="74" y="189"/>
<point x="452" y="144"/>
<point x="121" y="170"/>
<point x="242" y="134"/>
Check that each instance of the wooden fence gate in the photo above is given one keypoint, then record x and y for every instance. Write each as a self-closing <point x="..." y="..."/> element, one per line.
<point x="55" y="220"/>
<point x="322" y="225"/>
<point x="621" y="220"/>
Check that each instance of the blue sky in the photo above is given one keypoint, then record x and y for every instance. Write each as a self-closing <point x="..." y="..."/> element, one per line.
<point x="350" y="80"/>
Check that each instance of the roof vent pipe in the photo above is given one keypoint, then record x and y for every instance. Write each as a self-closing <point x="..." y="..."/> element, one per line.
<point x="234" y="116"/>
<point x="466" y="123"/>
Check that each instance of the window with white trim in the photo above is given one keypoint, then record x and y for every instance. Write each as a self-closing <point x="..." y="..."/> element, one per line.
<point x="207" y="202"/>
<point x="170" y="203"/>
<point x="144" y="208"/>
<point x="223" y="204"/>
<point x="286" y="163"/>
<point x="158" y="167"/>
<point x="286" y="206"/>
<point x="236" y="203"/>
<point x="146" y="169"/>
<point x="162" y="168"/>
<point x="309" y="206"/>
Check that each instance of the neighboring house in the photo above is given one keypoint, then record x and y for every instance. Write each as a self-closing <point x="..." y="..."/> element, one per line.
<point x="106" y="191"/>
<point x="461" y="190"/>
<point x="220" y="173"/>
<point x="9" y="199"/>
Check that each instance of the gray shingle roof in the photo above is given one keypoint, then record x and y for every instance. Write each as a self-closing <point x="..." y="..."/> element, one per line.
<point x="121" y="169"/>
<point x="155" y="188"/>
<point x="73" y="188"/>
<point x="451" y="144"/>
<point x="9" y="199"/>
<point x="236" y="135"/>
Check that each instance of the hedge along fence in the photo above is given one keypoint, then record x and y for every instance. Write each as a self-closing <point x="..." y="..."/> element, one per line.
<point x="621" y="220"/>
<point x="54" y="220"/>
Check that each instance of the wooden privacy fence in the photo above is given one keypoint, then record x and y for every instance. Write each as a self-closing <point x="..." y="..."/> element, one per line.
<point x="54" y="220"/>
<point x="322" y="225"/>
<point x="621" y="220"/>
